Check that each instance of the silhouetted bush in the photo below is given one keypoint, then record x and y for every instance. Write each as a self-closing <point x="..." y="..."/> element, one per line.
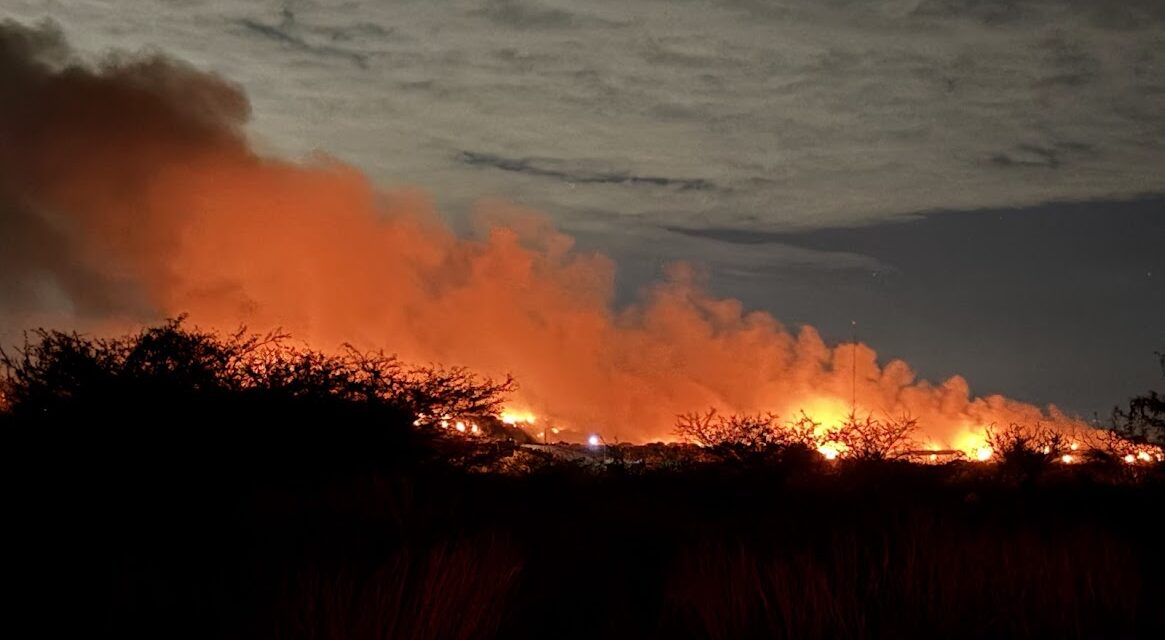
<point x="1026" y="452"/>
<point x="872" y="439"/>
<point x="171" y="397"/>
<point x="765" y="437"/>
<point x="750" y="438"/>
<point x="1144" y="419"/>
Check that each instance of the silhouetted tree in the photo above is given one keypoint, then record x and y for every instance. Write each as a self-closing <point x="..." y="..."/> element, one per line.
<point x="1025" y="452"/>
<point x="872" y="439"/>
<point x="55" y="369"/>
<point x="713" y="430"/>
<point x="1144" y="419"/>
<point x="171" y="394"/>
<point x="746" y="436"/>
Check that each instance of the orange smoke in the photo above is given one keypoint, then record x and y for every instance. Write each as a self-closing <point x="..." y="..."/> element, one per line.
<point x="150" y="202"/>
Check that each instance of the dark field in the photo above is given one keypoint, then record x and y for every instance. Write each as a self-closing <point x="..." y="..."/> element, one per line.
<point x="159" y="502"/>
<point x="884" y="551"/>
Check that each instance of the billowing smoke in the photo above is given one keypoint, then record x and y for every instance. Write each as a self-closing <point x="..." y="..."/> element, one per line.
<point x="129" y="192"/>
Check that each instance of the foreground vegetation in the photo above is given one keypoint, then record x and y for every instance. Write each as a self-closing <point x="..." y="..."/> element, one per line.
<point x="180" y="484"/>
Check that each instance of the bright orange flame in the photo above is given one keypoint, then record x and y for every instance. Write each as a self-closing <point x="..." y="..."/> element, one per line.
<point x="514" y="418"/>
<point x="829" y="412"/>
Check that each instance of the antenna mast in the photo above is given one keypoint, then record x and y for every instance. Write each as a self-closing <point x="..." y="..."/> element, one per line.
<point x="853" y="402"/>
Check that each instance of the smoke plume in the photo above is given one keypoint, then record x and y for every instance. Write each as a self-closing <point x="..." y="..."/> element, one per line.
<point x="129" y="192"/>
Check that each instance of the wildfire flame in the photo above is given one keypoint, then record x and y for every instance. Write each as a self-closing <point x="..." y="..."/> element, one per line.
<point x="516" y="418"/>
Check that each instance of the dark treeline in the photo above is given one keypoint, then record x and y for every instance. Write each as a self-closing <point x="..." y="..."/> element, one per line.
<point x="182" y="484"/>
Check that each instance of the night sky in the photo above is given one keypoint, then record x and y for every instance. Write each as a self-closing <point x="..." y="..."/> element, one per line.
<point x="978" y="184"/>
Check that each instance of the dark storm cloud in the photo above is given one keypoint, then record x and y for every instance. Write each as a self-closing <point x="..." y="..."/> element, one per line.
<point x="547" y="168"/>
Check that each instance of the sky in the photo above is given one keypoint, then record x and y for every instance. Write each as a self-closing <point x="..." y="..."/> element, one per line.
<point x="978" y="184"/>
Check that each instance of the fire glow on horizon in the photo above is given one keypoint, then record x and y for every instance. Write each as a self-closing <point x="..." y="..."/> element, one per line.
<point x="975" y="446"/>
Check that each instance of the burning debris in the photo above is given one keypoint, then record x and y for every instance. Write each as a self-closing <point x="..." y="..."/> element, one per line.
<point x="851" y="439"/>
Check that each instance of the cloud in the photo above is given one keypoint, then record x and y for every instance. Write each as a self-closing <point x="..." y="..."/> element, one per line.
<point x="1124" y="15"/>
<point x="287" y="33"/>
<point x="801" y="113"/>
<point x="526" y="14"/>
<point x="547" y="168"/>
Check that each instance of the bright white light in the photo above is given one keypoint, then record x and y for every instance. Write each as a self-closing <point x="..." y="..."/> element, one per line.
<point x="593" y="440"/>
<point x="1067" y="458"/>
<point x="461" y="426"/>
<point x="830" y="453"/>
<point x="1130" y="459"/>
<point x="982" y="454"/>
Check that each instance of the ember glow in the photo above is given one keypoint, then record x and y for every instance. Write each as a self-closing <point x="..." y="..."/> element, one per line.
<point x="516" y="418"/>
<point x="168" y="210"/>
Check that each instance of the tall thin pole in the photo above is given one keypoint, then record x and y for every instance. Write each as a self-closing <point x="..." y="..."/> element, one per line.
<point x="853" y="402"/>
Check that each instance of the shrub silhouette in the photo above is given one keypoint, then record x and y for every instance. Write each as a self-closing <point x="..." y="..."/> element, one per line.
<point x="1024" y="453"/>
<point x="872" y="439"/>
<point x="747" y="437"/>
<point x="762" y="435"/>
<point x="1144" y="419"/>
<point x="243" y="402"/>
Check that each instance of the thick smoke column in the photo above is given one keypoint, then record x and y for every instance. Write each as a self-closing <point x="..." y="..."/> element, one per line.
<point x="128" y="192"/>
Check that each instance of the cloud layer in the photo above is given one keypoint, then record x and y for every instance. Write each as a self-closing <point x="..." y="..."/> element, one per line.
<point x="800" y="112"/>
